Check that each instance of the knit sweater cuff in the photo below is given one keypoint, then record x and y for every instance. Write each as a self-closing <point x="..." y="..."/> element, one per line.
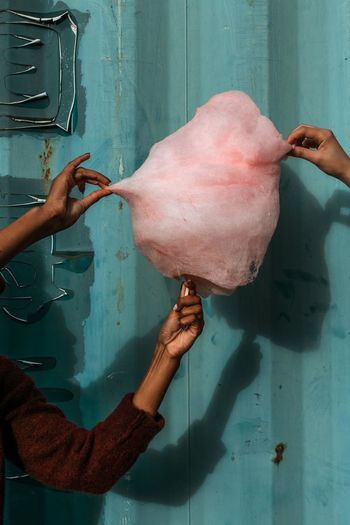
<point x="141" y="426"/>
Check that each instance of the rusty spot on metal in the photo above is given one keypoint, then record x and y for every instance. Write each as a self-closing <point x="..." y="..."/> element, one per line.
<point x="45" y="159"/>
<point x="279" y="449"/>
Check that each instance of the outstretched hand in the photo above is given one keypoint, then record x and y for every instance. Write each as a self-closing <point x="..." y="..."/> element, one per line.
<point x="321" y="147"/>
<point x="184" y="323"/>
<point x="61" y="209"/>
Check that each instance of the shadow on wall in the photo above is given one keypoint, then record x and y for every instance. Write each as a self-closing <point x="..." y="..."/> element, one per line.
<point x="27" y="499"/>
<point x="161" y="476"/>
<point x="287" y="304"/>
<point x="288" y="301"/>
<point x="49" y="336"/>
<point x="168" y="482"/>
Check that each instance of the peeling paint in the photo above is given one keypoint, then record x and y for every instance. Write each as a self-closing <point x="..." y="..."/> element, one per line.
<point x="121" y="167"/>
<point x="279" y="449"/>
<point x="45" y="159"/>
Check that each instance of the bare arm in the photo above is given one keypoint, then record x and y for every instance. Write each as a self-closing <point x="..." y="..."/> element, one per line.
<point x="59" y="212"/>
<point x="180" y="330"/>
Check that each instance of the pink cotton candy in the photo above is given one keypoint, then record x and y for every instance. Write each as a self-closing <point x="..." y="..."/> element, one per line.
<point x="205" y="203"/>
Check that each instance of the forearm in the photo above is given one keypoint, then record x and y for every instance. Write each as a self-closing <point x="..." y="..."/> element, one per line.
<point x="155" y="384"/>
<point x="344" y="174"/>
<point x="25" y="231"/>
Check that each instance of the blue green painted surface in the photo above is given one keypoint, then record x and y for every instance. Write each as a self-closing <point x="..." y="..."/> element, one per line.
<point x="273" y="365"/>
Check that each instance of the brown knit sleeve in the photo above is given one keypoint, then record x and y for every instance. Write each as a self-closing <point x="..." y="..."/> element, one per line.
<point x="60" y="454"/>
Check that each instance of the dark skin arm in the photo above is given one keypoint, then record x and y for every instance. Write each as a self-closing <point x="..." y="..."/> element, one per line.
<point x="182" y="327"/>
<point x="58" y="213"/>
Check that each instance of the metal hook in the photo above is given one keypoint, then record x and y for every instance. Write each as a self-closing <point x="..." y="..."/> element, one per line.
<point x="36" y="363"/>
<point x="62" y="292"/>
<point x="11" y="273"/>
<point x="66" y="49"/>
<point x="16" y="478"/>
<point x="34" y="202"/>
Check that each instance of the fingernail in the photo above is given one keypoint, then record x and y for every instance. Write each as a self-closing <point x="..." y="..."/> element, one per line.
<point x="175" y="308"/>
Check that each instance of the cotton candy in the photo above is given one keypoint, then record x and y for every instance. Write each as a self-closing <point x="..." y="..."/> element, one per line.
<point x="205" y="203"/>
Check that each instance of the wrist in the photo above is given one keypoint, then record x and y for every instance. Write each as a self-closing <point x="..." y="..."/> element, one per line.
<point x="50" y="220"/>
<point x="344" y="174"/>
<point x="150" y="393"/>
<point x="167" y="355"/>
<point x="37" y="224"/>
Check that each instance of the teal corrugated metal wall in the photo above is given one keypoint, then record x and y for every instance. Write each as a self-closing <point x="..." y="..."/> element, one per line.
<point x="273" y="364"/>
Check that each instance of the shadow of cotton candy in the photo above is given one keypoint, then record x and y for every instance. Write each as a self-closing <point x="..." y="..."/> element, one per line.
<point x="161" y="476"/>
<point x="291" y="296"/>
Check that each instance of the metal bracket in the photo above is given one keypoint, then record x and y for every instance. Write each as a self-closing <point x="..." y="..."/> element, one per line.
<point x="44" y="47"/>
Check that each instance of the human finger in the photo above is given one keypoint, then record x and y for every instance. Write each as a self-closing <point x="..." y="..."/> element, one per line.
<point x="87" y="175"/>
<point x="307" y="143"/>
<point x="188" y="320"/>
<point x="94" y="183"/>
<point x="305" y="153"/>
<point x="93" y="197"/>
<point x="317" y="135"/>
<point x="68" y="178"/>
<point x="189" y="300"/>
<point x="73" y="164"/>
<point x="192" y="310"/>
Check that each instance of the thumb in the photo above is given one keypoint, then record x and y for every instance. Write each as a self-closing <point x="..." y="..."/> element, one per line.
<point x="94" y="197"/>
<point x="305" y="153"/>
